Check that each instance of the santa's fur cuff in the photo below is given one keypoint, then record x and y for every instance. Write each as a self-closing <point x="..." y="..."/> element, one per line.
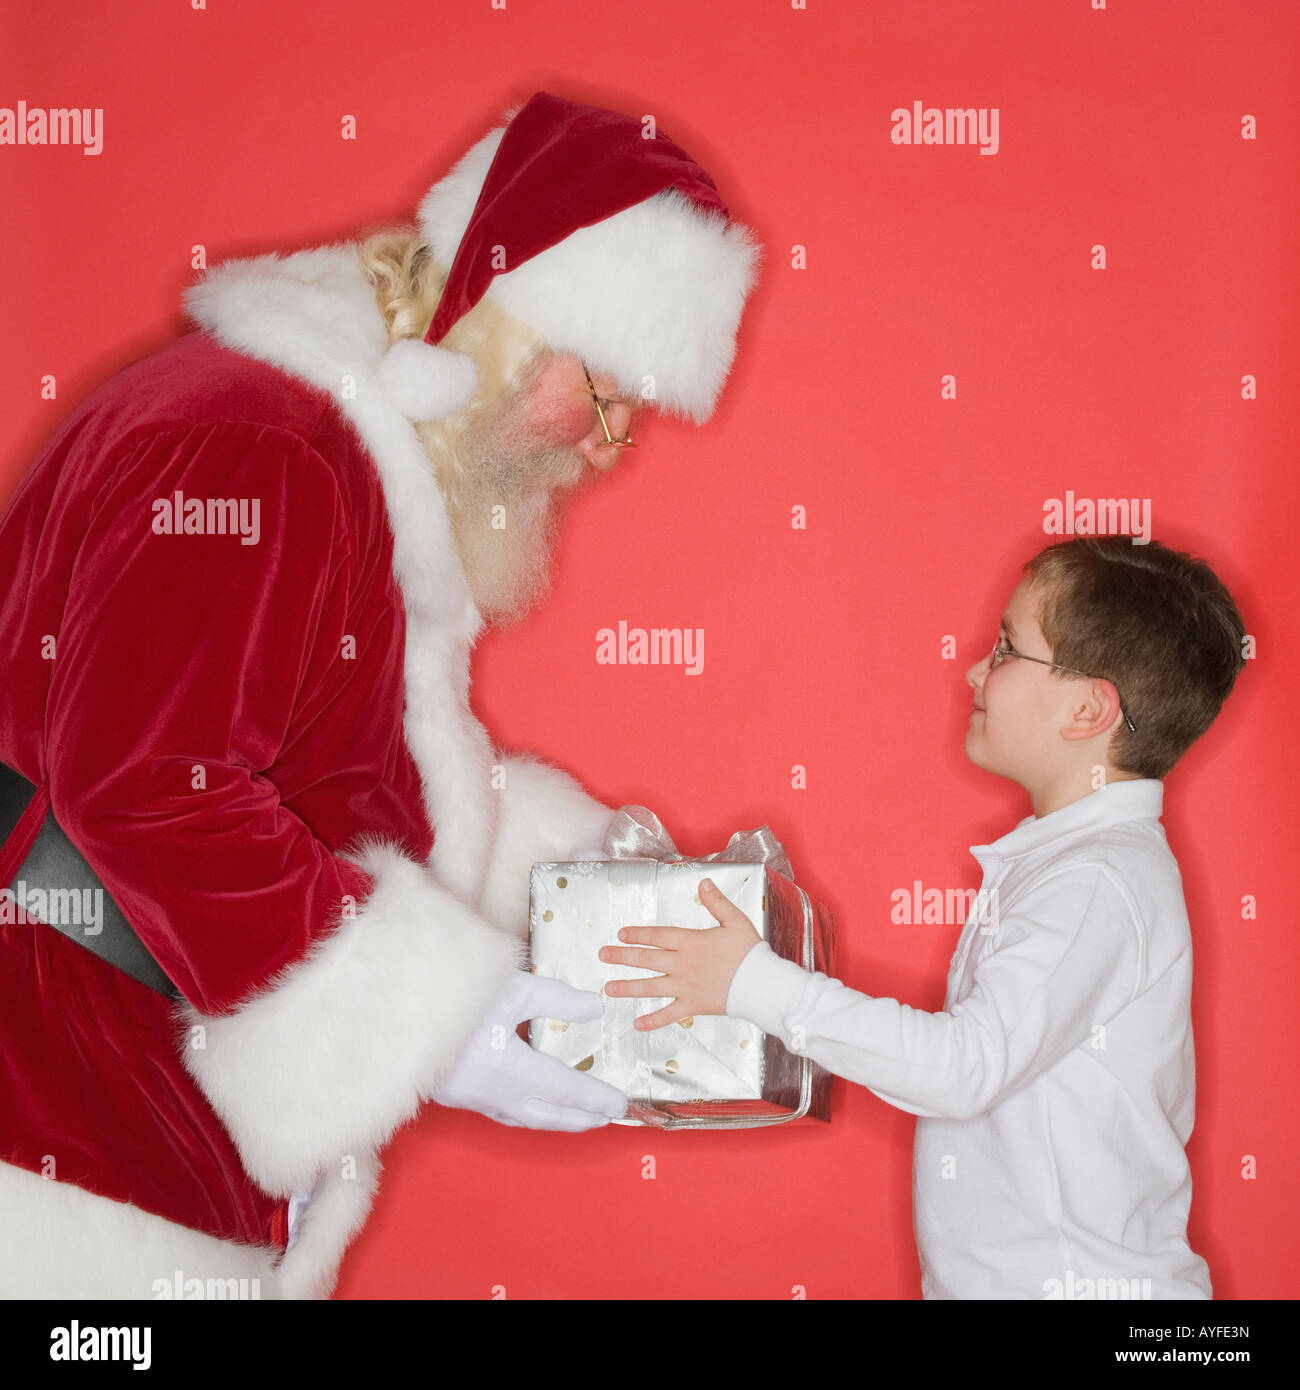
<point x="543" y="815"/>
<point x="341" y="1050"/>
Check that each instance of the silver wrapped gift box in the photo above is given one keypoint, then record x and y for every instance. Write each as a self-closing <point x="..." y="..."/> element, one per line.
<point x="708" y="1072"/>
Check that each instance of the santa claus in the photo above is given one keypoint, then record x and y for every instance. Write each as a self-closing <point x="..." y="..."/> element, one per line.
<point x="240" y="588"/>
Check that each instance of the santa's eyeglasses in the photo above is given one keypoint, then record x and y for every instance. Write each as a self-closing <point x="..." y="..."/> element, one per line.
<point x="610" y="442"/>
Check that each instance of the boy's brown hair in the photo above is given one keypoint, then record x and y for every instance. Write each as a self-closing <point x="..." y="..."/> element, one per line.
<point x="1156" y="623"/>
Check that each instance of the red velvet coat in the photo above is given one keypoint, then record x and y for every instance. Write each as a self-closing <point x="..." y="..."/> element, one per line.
<point x="262" y="744"/>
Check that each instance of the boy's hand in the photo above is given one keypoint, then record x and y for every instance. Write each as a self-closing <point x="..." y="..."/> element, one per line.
<point x="698" y="964"/>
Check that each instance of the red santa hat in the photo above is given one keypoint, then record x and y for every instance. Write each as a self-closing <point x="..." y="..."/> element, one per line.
<point x="602" y="234"/>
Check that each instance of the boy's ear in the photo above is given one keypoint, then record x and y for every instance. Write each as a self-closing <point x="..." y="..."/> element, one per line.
<point x="1094" y="709"/>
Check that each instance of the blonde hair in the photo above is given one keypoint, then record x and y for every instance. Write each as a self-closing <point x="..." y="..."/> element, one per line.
<point x="509" y="355"/>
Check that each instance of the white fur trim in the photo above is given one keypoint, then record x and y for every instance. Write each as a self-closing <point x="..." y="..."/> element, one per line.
<point x="337" y="1211"/>
<point x="544" y="815"/>
<point x="427" y="382"/>
<point x="62" y="1241"/>
<point x="349" y="1041"/>
<point x="656" y="291"/>
<point x="313" y="315"/>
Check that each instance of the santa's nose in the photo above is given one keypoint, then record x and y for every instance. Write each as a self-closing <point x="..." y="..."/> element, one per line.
<point x="602" y="454"/>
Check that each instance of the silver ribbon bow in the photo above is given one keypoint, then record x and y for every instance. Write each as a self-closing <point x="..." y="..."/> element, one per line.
<point x="637" y="833"/>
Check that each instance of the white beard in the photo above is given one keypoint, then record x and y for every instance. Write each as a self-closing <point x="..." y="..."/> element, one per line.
<point x="510" y="476"/>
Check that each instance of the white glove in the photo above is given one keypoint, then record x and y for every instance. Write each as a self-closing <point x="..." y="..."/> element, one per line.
<point x="500" y="1076"/>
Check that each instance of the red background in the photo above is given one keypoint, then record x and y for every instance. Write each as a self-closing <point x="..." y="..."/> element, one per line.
<point x="822" y="647"/>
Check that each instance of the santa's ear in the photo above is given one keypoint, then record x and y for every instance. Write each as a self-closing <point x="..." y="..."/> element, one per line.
<point x="426" y="382"/>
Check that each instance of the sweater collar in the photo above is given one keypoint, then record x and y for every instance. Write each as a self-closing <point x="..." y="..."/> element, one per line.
<point x="1140" y="798"/>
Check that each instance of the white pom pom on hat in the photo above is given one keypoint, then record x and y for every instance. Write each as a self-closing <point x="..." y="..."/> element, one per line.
<point x="426" y="382"/>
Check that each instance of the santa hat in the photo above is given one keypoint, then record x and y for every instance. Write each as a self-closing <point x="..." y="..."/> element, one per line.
<point x="610" y="243"/>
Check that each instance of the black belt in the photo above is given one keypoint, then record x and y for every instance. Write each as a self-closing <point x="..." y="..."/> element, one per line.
<point x="56" y="868"/>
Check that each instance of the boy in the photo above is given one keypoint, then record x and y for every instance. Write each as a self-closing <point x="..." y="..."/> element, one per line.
<point x="1056" y="1088"/>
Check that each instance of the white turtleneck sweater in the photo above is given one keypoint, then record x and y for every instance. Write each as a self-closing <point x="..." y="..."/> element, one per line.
<point x="1056" y="1089"/>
